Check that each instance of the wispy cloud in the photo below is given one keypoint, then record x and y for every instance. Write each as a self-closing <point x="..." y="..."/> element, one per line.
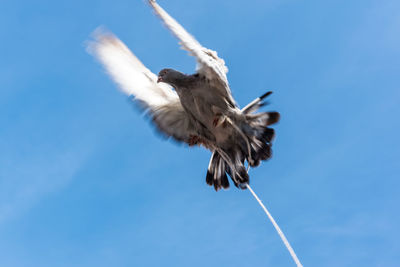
<point x="25" y="180"/>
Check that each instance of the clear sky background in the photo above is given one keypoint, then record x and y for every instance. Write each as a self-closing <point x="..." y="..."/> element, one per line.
<point x="86" y="181"/>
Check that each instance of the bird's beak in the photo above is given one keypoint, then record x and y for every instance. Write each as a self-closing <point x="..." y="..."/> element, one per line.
<point x="159" y="79"/>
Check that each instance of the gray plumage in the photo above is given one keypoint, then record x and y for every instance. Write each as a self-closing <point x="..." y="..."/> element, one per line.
<point x="201" y="109"/>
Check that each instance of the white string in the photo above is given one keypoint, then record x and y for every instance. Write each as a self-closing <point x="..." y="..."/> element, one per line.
<point x="285" y="241"/>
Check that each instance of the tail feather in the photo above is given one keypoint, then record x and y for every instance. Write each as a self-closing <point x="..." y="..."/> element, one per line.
<point x="218" y="169"/>
<point x="268" y="135"/>
<point x="216" y="172"/>
<point x="260" y="135"/>
<point x="255" y="104"/>
<point x="261" y="141"/>
<point x="254" y="133"/>
<point x="264" y="118"/>
<point x="239" y="173"/>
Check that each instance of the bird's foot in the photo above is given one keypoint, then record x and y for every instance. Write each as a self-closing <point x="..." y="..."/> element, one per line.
<point x="218" y="120"/>
<point x="194" y="140"/>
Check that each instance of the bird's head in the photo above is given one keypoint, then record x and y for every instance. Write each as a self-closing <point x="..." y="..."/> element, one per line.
<point x="170" y="76"/>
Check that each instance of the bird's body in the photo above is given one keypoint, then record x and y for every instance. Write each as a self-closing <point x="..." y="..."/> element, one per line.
<point x="200" y="111"/>
<point x="204" y="104"/>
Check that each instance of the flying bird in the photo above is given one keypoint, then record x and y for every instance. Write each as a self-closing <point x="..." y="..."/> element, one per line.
<point x="196" y="109"/>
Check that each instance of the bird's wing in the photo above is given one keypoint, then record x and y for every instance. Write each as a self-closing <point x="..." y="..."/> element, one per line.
<point x="208" y="62"/>
<point x="134" y="79"/>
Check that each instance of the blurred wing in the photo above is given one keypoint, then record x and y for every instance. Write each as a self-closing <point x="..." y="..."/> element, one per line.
<point x="172" y="120"/>
<point x="134" y="79"/>
<point x="209" y="64"/>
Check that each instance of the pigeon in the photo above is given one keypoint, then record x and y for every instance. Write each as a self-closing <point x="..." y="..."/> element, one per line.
<point x="195" y="109"/>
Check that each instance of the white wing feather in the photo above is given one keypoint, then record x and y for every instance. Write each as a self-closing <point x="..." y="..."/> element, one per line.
<point x="128" y="72"/>
<point x="209" y="64"/>
<point x="134" y="79"/>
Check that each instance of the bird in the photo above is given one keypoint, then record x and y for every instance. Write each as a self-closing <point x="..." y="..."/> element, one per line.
<point x="195" y="109"/>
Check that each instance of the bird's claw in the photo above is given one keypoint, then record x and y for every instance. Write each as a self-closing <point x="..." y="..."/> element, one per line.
<point x="193" y="140"/>
<point x="217" y="120"/>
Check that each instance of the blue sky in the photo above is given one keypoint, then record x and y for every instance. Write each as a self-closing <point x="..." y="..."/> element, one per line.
<point x="85" y="181"/>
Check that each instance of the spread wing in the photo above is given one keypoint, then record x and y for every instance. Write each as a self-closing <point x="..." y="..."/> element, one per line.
<point x="208" y="62"/>
<point x="134" y="79"/>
